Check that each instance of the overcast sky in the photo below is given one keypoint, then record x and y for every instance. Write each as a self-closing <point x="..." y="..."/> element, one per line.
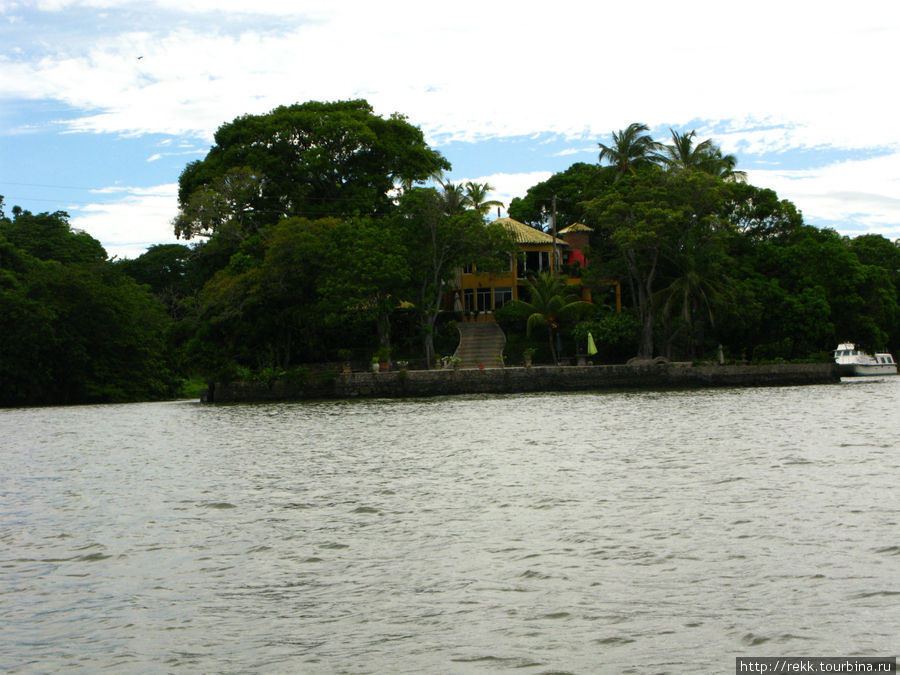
<point x="103" y="102"/>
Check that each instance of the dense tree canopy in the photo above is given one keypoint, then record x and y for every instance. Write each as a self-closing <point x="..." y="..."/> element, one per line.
<point x="707" y="258"/>
<point x="315" y="242"/>
<point x="309" y="160"/>
<point x="570" y="187"/>
<point x="73" y="327"/>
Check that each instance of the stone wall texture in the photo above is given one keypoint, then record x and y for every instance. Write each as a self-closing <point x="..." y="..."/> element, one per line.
<point x="421" y="383"/>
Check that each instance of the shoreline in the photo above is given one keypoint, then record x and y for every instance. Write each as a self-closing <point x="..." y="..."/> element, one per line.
<point x="513" y="380"/>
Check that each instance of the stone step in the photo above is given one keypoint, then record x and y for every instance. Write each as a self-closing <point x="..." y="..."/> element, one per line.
<point x="480" y="344"/>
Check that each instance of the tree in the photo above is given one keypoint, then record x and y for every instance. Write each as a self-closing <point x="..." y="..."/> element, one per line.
<point x="550" y="301"/>
<point x="874" y="249"/>
<point x="78" y="333"/>
<point x="48" y="236"/>
<point x="440" y="239"/>
<point x="723" y="166"/>
<point x="649" y="215"/>
<point x="759" y="215"/>
<point x="228" y="200"/>
<point x="453" y="197"/>
<point x="571" y="187"/>
<point x="312" y="160"/>
<point x="367" y="272"/>
<point x="169" y="271"/>
<point x="684" y="155"/>
<point x="476" y="198"/>
<point x="631" y="149"/>
<point x="700" y="285"/>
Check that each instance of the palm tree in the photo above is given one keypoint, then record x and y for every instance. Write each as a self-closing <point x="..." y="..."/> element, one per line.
<point x="724" y="168"/>
<point x="551" y="301"/>
<point x="454" y="198"/>
<point x="630" y="149"/>
<point x="476" y="197"/>
<point x="701" y="284"/>
<point x="683" y="155"/>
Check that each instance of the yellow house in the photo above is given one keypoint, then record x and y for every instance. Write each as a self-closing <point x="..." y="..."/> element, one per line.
<point x="477" y="295"/>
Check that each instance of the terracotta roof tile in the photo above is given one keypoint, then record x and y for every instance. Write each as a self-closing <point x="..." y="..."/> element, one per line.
<point x="525" y="235"/>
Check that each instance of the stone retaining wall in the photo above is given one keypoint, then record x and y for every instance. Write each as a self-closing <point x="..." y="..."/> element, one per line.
<point x="419" y="383"/>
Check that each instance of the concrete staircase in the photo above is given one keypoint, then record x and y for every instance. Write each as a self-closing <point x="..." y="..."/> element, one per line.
<point x="480" y="343"/>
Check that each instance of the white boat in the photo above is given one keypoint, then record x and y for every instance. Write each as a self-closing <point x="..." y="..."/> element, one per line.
<point x="853" y="362"/>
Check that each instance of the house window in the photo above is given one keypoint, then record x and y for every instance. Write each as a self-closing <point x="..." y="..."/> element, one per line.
<point x="502" y="295"/>
<point x="537" y="261"/>
<point x="469" y="299"/>
<point x="484" y="299"/>
<point x="468" y="269"/>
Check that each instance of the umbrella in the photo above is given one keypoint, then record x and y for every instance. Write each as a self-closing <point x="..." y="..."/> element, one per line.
<point x="592" y="348"/>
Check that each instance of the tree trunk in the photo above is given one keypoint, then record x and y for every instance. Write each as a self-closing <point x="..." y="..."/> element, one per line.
<point x="429" y="349"/>
<point x="644" y="286"/>
<point x="384" y="330"/>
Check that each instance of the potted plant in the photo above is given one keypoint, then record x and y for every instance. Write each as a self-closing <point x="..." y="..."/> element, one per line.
<point x="455" y="362"/>
<point x="528" y="354"/>
<point x="376" y="365"/>
<point x="384" y="358"/>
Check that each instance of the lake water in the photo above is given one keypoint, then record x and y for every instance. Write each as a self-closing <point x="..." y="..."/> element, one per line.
<point x="640" y="532"/>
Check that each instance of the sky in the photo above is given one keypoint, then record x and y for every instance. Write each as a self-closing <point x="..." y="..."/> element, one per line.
<point x="103" y="102"/>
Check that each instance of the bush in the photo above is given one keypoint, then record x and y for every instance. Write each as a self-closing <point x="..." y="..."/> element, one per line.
<point x="615" y="335"/>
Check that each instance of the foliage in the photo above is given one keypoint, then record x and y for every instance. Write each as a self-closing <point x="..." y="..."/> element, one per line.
<point x="230" y="199"/>
<point x="440" y="238"/>
<point x="366" y="271"/>
<point x="651" y="214"/>
<point x="48" y="236"/>
<point x="312" y="160"/>
<point x="551" y="301"/>
<point x="615" y="336"/>
<point x="316" y="239"/>
<point x="706" y="156"/>
<point x="632" y="149"/>
<point x="78" y="330"/>
<point x="758" y="213"/>
<point x="570" y="188"/>
<point x="476" y="198"/>
<point x="171" y="273"/>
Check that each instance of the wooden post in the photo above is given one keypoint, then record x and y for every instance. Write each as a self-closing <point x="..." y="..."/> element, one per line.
<point x="553" y="224"/>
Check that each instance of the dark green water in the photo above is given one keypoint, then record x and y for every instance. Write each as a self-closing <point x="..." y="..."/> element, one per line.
<point x="615" y="532"/>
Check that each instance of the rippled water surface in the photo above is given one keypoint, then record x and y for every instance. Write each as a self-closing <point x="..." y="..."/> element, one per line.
<point x="612" y="532"/>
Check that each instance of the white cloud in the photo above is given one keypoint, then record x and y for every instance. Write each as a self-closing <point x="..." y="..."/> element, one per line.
<point x="511" y="72"/>
<point x="509" y="185"/>
<point x="785" y="76"/>
<point x="853" y="197"/>
<point x="127" y="226"/>
<point x="576" y="151"/>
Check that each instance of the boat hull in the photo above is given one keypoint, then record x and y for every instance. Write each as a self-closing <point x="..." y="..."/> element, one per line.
<point x="865" y="370"/>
